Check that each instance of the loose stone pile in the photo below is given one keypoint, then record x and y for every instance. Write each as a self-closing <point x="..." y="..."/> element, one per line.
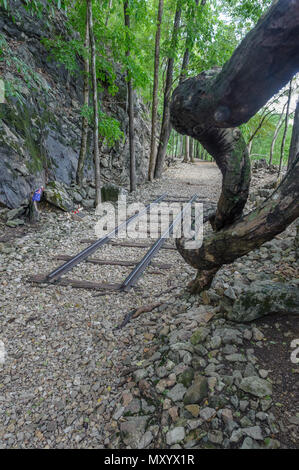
<point x="182" y="376"/>
<point x="207" y="386"/>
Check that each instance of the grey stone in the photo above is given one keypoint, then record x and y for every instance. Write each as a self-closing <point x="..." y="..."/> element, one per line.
<point x="199" y="335"/>
<point x="56" y="193"/>
<point x="145" y="440"/>
<point x="249" y="444"/>
<point x="256" y="386"/>
<point x="177" y="392"/>
<point x="175" y="436"/>
<point x="181" y="347"/>
<point x="140" y="374"/>
<point x="15" y="213"/>
<point x="207" y="413"/>
<point x="186" y="377"/>
<point x="132" y="431"/>
<point x="215" y="342"/>
<point x="236" y="358"/>
<point x="264" y="298"/>
<point x="197" y="392"/>
<point x="15" y="223"/>
<point x="216" y="437"/>
<point x="236" y="436"/>
<point x="118" y="413"/>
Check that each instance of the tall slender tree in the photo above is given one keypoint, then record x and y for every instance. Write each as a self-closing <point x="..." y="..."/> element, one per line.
<point x="130" y="102"/>
<point x="83" y="147"/>
<point x="152" y="160"/>
<point x="285" y="127"/>
<point x="294" y="147"/>
<point x="96" y="150"/>
<point x="166" y="126"/>
<point x="275" y="135"/>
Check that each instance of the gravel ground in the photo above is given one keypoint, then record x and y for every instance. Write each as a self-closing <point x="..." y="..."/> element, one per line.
<point x="69" y="379"/>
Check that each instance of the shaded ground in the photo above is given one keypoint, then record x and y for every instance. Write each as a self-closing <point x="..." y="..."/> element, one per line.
<point x="275" y="355"/>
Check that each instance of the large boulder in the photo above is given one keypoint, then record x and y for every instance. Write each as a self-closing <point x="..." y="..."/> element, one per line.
<point x="263" y="298"/>
<point x="56" y="193"/>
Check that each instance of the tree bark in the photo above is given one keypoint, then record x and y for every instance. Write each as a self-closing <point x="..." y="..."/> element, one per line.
<point x="207" y="108"/>
<point x="186" y="156"/>
<point x="83" y="147"/>
<point x="96" y="150"/>
<point x="248" y="233"/>
<point x="294" y="147"/>
<point x="191" y="150"/>
<point x="166" y="126"/>
<point x="152" y="160"/>
<point x="130" y="109"/>
<point x="262" y="64"/>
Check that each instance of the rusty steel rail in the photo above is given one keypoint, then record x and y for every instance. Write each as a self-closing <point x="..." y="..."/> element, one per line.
<point x="64" y="268"/>
<point x="135" y="274"/>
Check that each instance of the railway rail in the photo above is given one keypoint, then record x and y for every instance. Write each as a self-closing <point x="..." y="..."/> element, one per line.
<point x="56" y="276"/>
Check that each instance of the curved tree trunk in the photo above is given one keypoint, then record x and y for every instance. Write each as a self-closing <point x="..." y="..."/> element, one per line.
<point x="262" y="64"/>
<point x="248" y="233"/>
<point x="209" y="107"/>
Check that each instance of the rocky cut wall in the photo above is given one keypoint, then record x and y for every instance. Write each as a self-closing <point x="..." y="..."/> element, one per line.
<point x="40" y="124"/>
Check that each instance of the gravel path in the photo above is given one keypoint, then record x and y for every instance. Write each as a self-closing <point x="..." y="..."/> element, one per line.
<point x="69" y="379"/>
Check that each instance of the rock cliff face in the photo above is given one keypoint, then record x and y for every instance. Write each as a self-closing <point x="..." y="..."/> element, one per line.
<point x="40" y="124"/>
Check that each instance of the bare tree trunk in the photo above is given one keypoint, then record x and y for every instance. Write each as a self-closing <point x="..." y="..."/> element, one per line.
<point x="96" y="150"/>
<point x="294" y="147"/>
<point x="249" y="147"/>
<point x="152" y="160"/>
<point x="192" y="150"/>
<point x="275" y="135"/>
<point x="83" y="148"/>
<point x="285" y="128"/>
<point x="185" y="62"/>
<point x="108" y="14"/>
<point x="176" y="144"/>
<point x="166" y="126"/>
<point x="186" y="157"/>
<point x="130" y="109"/>
<point x="207" y="108"/>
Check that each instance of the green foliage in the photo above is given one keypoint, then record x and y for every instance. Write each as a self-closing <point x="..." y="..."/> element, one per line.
<point x="109" y="128"/>
<point x="211" y="33"/>
<point x="65" y="52"/>
<point x="36" y="8"/>
<point x="262" y="143"/>
<point x="247" y="12"/>
<point x="250" y="127"/>
<point x="87" y="112"/>
<point x="23" y="79"/>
